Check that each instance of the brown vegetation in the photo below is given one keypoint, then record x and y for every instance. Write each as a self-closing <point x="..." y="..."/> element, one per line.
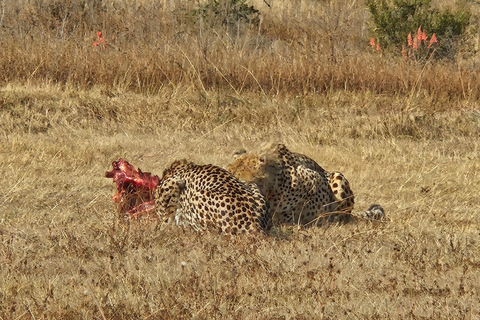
<point x="405" y="136"/>
<point x="65" y="254"/>
<point x="299" y="47"/>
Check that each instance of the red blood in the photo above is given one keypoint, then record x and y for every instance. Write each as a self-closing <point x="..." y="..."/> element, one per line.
<point x="145" y="208"/>
<point x="134" y="189"/>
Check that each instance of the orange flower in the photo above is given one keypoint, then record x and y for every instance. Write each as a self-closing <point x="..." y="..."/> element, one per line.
<point x="409" y="39"/>
<point x="378" y="47"/>
<point x="424" y="36"/>
<point x="404" y="53"/>
<point x="100" y="40"/>
<point x="433" y="40"/>
<point x="372" y="42"/>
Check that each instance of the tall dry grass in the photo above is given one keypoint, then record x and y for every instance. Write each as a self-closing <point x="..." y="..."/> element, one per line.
<point x="300" y="47"/>
<point x="65" y="254"/>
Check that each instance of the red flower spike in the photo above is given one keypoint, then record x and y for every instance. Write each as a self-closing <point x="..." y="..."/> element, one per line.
<point x="95" y="44"/>
<point x="433" y="40"/>
<point x="419" y="34"/>
<point x="409" y="39"/>
<point x="99" y="34"/>
<point x="378" y="47"/>
<point x="424" y="36"/>
<point x="404" y="53"/>
<point x="415" y="44"/>
<point x="372" y="42"/>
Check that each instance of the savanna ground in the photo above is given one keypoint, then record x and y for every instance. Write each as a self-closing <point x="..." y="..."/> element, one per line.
<point x="405" y="134"/>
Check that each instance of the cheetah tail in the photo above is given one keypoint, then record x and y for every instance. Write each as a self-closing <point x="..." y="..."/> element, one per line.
<point x="374" y="212"/>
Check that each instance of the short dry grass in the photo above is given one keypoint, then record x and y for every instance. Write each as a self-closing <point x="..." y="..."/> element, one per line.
<point x="65" y="255"/>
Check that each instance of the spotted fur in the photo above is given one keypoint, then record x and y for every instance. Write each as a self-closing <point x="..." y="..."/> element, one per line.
<point x="296" y="188"/>
<point x="209" y="197"/>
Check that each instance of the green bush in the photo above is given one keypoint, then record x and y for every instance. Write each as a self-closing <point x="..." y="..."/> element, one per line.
<point x="227" y="13"/>
<point x="395" y="19"/>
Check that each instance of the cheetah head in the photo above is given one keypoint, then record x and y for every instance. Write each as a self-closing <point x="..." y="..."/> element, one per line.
<point x="253" y="168"/>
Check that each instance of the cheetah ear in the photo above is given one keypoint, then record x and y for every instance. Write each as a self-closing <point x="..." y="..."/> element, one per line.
<point x="238" y="153"/>
<point x="180" y="183"/>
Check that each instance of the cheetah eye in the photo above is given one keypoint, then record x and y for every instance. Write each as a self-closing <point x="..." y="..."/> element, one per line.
<point x="166" y="201"/>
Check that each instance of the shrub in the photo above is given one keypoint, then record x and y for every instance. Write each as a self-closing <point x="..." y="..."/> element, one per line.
<point x="227" y="13"/>
<point x="395" y="19"/>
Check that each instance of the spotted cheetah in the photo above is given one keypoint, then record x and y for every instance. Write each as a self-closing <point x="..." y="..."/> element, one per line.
<point x="209" y="197"/>
<point x="296" y="188"/>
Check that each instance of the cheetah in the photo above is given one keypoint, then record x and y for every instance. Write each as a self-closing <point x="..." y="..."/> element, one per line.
<point x="296" y="188"/>
<point x="209" y="197"/>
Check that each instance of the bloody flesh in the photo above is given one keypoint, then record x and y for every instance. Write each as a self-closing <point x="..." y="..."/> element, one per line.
<point x="135" y="189"/>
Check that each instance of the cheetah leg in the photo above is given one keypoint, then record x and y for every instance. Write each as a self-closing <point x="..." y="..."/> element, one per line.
<point x="167" y="200"/>
<point x="344" y="199"/>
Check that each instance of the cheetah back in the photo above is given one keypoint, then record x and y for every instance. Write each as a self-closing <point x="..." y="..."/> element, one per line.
<point x="209" y="197"/>
<point x="297" y="189"/>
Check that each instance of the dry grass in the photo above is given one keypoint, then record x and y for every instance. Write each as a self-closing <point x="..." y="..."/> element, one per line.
<point x="405" y="135"/>
<point x="302" y="47"/>
<point x="65" y="255"/>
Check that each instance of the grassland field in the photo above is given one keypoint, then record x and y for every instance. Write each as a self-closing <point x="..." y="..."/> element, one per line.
<point x="406" y="135"/>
